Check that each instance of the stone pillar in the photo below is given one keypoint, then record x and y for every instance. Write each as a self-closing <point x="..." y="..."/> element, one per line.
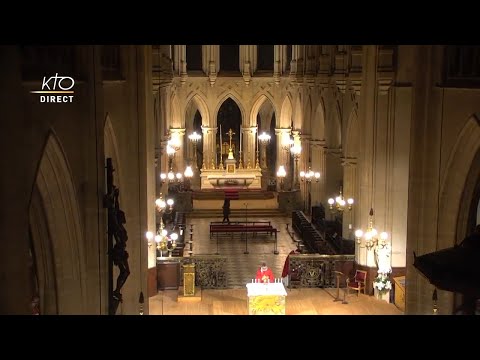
<point x="209" y="147"/>
<point x="277" y="64"/>
<point x="283" y="157"/>
<point x="318" y="164"/>
<point x="367" y="117"/>
<point x="162" y="136"/>
<point x="183" y="63"/>
<point x="211" y="62"/>
<point x="247" y="59"/>
<point x="296" y="68"/>
<point x="163" y="168"/>
<point x="349" y="191"/>
<point x="249" y="147"/>
<point x="263" y="155"/>
<point x="179" y="159"/>
<point x="296" y="161"/>
<point x="303" y="164"/>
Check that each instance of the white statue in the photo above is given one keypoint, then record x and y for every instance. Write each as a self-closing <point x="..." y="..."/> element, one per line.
<point x="383" y="253"/>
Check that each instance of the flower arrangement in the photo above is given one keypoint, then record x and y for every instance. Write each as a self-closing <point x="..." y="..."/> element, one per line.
<point x="382" y="283"/>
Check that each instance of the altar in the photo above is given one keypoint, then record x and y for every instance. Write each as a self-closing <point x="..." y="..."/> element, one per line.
<point x="266" y="299"/>
<point x="241" y="179"/>
<point x="229" y="174"/>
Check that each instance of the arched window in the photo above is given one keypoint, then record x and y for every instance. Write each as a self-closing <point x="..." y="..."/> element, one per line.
<point x="194" y="58"/>
<point x="265" y="57"/>
<point x="229" y="58"/>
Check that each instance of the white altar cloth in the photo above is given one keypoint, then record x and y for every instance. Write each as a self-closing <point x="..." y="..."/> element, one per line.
<point x="258" y="289"/>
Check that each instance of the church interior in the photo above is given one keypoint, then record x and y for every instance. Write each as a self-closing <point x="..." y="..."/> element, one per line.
<point x="240" y="179"/>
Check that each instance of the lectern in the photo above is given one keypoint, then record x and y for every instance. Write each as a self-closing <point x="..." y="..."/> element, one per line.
<point x="189" y="280"/>
<point x="266" y="299"/>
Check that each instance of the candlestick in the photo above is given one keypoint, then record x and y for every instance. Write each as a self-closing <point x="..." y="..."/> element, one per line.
<point x="221" y="145"/>
<point x="241" y="131"/>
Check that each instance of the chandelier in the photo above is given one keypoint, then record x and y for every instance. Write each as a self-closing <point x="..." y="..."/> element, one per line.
<point x="371" y="238"/>
<point x="281" y="173"/>
<point x="308" y="176"/>
<point x="195" y="138"/>
<point x="339" y="204"/>
<point x="164" y="241"/>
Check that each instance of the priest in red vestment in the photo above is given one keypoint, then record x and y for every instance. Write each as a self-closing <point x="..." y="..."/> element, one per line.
<point x="286" y="267"/>
<point x="264" y="274"/>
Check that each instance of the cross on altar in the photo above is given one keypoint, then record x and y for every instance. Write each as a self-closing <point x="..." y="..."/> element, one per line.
<point x="230" y="133"/>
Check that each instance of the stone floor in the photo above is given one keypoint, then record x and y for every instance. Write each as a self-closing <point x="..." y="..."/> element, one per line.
<point x="241" y="268"/>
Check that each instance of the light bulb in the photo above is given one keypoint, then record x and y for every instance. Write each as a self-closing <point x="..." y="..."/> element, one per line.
<point x="149" y="235"/>
<point x="358" y="233"/>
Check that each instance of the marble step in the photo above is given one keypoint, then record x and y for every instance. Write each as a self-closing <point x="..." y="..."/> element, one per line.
<point x="237" y="213"/>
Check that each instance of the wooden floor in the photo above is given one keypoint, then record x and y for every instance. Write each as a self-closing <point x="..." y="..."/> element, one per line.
<point x="299" y="302"/>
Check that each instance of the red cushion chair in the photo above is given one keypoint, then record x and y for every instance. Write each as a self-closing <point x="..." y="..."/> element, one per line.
<point x="358" y="282"/>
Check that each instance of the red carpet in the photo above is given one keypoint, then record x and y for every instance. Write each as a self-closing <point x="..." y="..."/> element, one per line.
<point x="231" y="194"/>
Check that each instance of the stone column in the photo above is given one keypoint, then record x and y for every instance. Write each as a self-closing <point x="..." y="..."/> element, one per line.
<point x="303" y="164"/>
<point x="296" y="161"/>
<point x="282" y="156"/>
<point x="277" y="64"/>
<point x="247" y="61"/>
<point x="164" y="110"/>
<point x="367" y="117"/>
<point x="182" y="50"/>
<point x="179" y="160"/>
<point x="163" y="168"/>
<point x="349" y="191"/>
<point x="211" y="62"/>
<point x="296" y="68"/>
<point x="318" y="164"/>
<point x="209" y="147"/>
<point x="249" y="147"/>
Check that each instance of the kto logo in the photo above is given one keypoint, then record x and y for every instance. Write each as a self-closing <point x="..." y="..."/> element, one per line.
<point x="56" y="85"/>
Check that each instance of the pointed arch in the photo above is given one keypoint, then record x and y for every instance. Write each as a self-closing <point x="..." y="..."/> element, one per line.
<point x="111" y="149"/>
<point x="318" y="128"/>
<point x="455" y="184"/>
<point x="58" y="198"/>
<point x="257" y="105"/>
<point x="202" y="107"/>
<point x="175" y="118"/>
<point x="352" y="145"/>
<point x="285" y="118"/>
<point x="230" y="95"/>
<point x="298" y="118"/>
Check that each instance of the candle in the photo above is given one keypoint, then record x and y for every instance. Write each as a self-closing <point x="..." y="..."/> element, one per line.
<point x="240" y="139"/>
<point x="258" y="149"/>
<point x="221" y="145"/>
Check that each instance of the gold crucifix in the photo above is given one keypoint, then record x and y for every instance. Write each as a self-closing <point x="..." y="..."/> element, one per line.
<point x="230" y="133"/>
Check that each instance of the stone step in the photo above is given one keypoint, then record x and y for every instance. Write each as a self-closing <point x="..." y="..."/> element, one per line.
<point x="237" y="213"/>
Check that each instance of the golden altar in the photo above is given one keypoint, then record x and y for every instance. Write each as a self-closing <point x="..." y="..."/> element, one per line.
<point x="266" y="299"/>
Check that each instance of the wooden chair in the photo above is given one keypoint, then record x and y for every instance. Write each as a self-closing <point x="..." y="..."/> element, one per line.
<point x="358" y="282"/>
